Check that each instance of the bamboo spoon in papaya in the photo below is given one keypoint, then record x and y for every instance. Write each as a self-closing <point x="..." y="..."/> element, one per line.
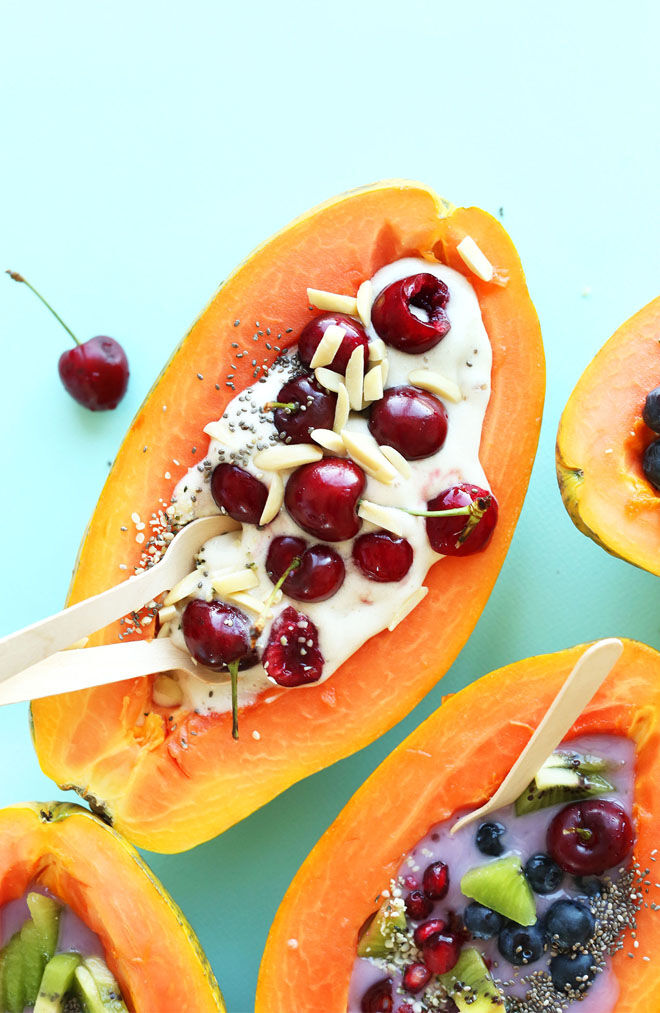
<point x="582" y="684"/>
<point x="33" y="643"/>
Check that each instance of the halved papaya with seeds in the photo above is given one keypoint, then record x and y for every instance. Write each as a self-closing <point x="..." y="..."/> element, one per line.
<point x="170" y="780"/>
<point x="601" y="441"/>
<point x="149" y="946"/>
<point x="455" y="760"/>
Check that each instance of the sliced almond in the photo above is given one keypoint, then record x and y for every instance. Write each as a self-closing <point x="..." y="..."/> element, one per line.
<point x="355" y="378"/>
<point x="328" y="346"/>
<point x="283" y="456"/>
<point x="406" y="608"/>
<point x="184" y="588"/>
<point x="382" y="516"/>
<point x="78" y="644"/>
<point x="216" y="431"/>
<point x="238" y="580"/>
<point x="365" y="297"/>
<point x="373" y="384"/>
<point x="364" y="450"/>
<point x="377" y="350"/>
<point x="329" y="379"/>
<point x="166" y="614"/>
<point x="474" y="258"/>
<point x="397" y="459"/>
<point x="166" y="691"/>
<point x="428" y="379"/>
<point x="332" y="301"/>
<point x="385" y="368"/>
<point x="251" y="603"/>
<point x="274" y="500"/>
<point x="329" y="440"/>
<point x="342" y="409"/>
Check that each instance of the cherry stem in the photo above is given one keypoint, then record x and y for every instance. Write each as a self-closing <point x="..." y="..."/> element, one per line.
<point x="19" y="277"/>
<point x="583" y="833"/>
<point x="473" y="511"/>
<point x="454" y="512"/>
<point x="233" y="671"/>
<point x="292" y="406"/>
<point x="293" y="565"/>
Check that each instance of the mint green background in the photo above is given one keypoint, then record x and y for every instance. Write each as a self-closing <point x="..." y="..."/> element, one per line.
<point x="147" y="147"/>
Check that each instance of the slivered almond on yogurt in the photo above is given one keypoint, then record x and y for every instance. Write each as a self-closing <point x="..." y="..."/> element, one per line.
<point x="365" y="452"/>
<point x="328" y="379"/>
<point x="240" y="580"/>
<point x="373" y="384"/>
<point x="409" y="604"/>
<point x="342" y="409"/>
<point x="274" y="499"/>
<point x="332" y="302"/>
<point x="283" y="457"/>
<point x="364" y="300"/>
<point x="328" y="346"/>
<point x="355" y="378"/>
<point x="329" y="440"/>
<point x="474" y="258"/>
<point x="427" y="379"/>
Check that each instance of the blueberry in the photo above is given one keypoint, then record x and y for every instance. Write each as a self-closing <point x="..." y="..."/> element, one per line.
<point x="520" y="944"/>
<point x="590" y="886"/>
<point x="488" y="838"/>
<point x="651" y="463"/>
<point x="572" y="972"/>
<point x="651" y="413"/>
<point x="482" y="922"/>
<point x="568" y="923"/>
<point x="543" y="874"/>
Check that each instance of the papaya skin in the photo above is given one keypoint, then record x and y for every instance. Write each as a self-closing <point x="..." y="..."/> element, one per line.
<point x="601" y="440"/>
<point x="169" y="785"/>
<point x="455" y="759"/>
<point x="149" y="946"/>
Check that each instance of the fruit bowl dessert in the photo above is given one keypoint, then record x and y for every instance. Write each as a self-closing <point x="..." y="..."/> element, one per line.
<point x="546" y="904"/>
<point x="349" y="400"/>
<point x="608" y="447"/>
<point x="77" y="905"/>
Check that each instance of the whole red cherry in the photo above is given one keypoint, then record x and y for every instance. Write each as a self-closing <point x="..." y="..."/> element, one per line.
<point x="587" y="838"/>
<point x="355" y="337"/>
<point x="463" y="534"/>
<point x="395" y="322"/>
<point x="94" y="372"/>
<point x="323" y="498"/>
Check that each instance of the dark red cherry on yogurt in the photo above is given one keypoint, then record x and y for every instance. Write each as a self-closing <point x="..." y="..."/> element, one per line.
<point x="319" y="575"/>
<point x="378" y="997"/>
<point x="292" y="656"/>
<point x="323" y="498"/>
<point x="309" y="407"/>
<point x="217" y="634"/>
<point x="411" y="420"/>
<point x="238" y="493"/>
<point x="355" y="337"/>
<point x="382" y="557"/>
<point x="394" y="318"/>
<point x="464" y="534"/>
<point x="587" y="838"/>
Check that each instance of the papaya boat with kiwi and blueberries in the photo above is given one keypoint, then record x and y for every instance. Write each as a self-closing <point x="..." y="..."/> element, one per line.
<point x="545" y="906"/>
<point x="85" y="927"/>
<point x="350" y="401"/>
<point x="608" y="444"/>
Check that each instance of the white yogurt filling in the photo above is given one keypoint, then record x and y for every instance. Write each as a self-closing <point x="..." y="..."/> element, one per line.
<point x="361" y="607"/>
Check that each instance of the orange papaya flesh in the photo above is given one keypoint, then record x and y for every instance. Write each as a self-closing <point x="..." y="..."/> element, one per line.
<point x="601" y="440"/>
<point x="455" y="760"/>
<point x="171" y="784"/>
<point x="148" y="944"/>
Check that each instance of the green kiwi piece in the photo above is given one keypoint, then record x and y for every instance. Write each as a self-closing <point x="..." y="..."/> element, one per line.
<point x="564" y="777"/>
<point x="45" y="914"/>
<point x="470" y="985"/>
<point x="98" y="988"/>
<point x="502" y="886"/>
<point x="12" y="991"/>
<point x="388" y="918"/>
<point x="56" y="982"/>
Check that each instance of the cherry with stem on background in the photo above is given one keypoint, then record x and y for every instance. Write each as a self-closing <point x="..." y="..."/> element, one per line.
<point x="94" y="372"/>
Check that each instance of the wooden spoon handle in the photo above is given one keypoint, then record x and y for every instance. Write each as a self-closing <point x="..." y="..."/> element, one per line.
<point x="581" y="685"/>
<point x="68" y="671"/>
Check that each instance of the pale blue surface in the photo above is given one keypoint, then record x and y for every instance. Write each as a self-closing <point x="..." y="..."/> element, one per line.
<point x="148" y="147"/>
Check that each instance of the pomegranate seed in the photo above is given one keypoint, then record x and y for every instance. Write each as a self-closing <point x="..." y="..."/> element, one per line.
<point x="435" y="881"/>
<point x="418" y="906"/>
<point x="416" y="977"/>
<point x="378" y="997"/>
<point x="441" y="952"/>
<point x="429" y="928"/>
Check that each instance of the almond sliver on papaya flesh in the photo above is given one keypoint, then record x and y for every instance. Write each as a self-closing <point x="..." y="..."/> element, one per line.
<point x="169" y="785"/>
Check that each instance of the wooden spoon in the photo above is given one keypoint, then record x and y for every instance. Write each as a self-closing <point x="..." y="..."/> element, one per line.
<point x="581" y="685"/>
<point x="31" y="644"/>
<point x="68" y="671"/>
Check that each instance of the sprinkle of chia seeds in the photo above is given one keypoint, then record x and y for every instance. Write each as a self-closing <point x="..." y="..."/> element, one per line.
<point x="236" y="323"/>
<point x="199" y="376"/>
<point x="217" y="386"/>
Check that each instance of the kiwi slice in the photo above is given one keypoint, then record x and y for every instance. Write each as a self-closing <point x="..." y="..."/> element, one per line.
<point x="56" y="982"/>
<point x="12" y="993"/>
<point x="45" y="914"/>
<point x="470" y="985"/>
<point x="502" y="886"/>
<point x="98" y="988"/>
<point x="373" y="941"/>
<point x="564" y="777"/>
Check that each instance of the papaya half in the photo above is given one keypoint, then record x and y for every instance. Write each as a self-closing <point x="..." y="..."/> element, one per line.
<point x="456" y="759"/>
<point x="601" y="441"/>
<point x="171" y="784"/>
<point x="149" y="946"/>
